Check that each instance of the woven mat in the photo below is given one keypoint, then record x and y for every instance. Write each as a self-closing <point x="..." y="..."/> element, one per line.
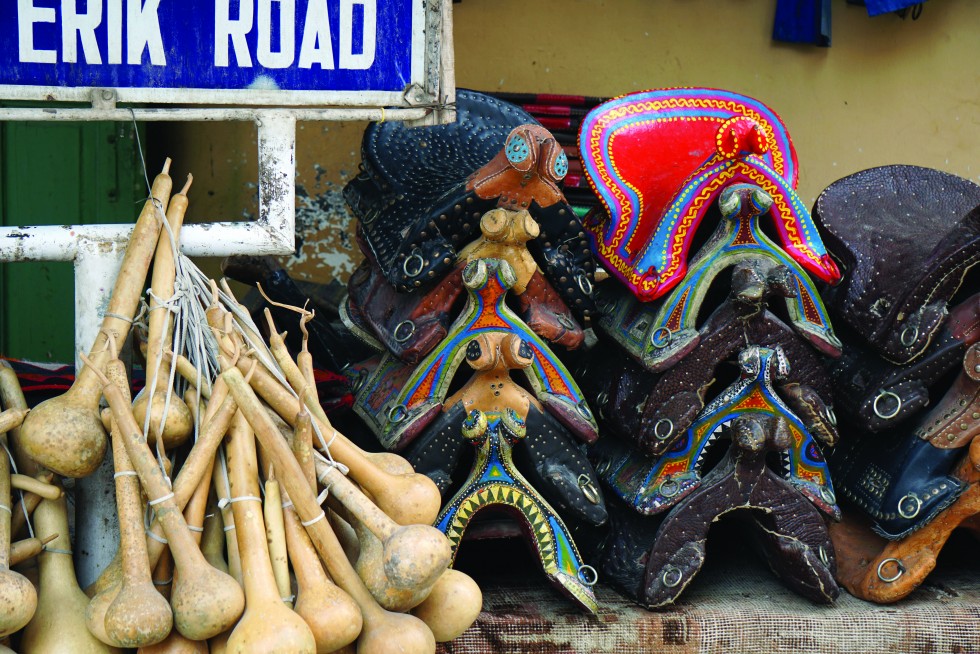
<point x="735" y="606"/>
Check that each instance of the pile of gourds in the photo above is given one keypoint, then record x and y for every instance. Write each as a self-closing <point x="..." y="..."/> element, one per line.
<point x="275" y="534"/>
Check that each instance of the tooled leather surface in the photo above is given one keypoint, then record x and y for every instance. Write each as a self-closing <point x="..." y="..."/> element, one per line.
<point x="862" y="379"/>
<point x="416" y="211"/>
<point x="955" y="420"/>
<point x="742" y="480"/>
<point x="408" y="325"/>
<point x="555" y="464"/>
<point x="632" y="401"/>
<point x="904" y="234"/>
<point x="544" y="312"/>
<point x="904" y="481"/>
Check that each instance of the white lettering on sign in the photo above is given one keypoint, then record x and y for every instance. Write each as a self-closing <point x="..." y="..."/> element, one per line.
<point x="113" y="19"/>
<point x="316" y="43"/>
<point x="286" y="19"/>
<point x="27" y="16"/>
<point x="142" y="31"/>
<point x="75" y="27"/>
<point x="226" y="29"/>
<point x="369" y="34"/>
<point x="143" y="27"/>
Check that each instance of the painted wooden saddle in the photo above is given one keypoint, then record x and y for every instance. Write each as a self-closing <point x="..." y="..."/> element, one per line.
<point x="654" y="410"/>
<point x="551" y="460"/>
<point x="655" y="484"/>
<point x="906" y="238"/>
<point x="658" y="160"/>
<point x="659" y="334"/>
<point x="422" y="191"/>
<point x="398" y="402"/>
<point x="410" y="325"/>
<point x="654" y="558"/>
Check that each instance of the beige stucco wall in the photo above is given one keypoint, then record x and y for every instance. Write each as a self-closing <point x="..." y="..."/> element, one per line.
<point x="887" y="91"/>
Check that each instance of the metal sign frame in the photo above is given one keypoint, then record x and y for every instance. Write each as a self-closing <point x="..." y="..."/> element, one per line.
<point x="428" y="85"/>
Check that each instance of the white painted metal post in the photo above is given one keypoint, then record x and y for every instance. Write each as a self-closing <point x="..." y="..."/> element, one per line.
<point x="96" y="525"/>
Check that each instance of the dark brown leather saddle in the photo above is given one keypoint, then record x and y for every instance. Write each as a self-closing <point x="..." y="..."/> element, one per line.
<point x="653" y="485"/>
<point x="410" y="325"/>
<point x="653" y="410"/>
<point x="875" y="395"/>
<point x="653" y="560"/>
<point x="902" y="482"/>
<point x="422" y="191"/>
<point x="905" y="238"/>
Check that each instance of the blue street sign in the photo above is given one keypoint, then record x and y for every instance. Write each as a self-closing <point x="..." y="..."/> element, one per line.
<point x="210" y="50"/>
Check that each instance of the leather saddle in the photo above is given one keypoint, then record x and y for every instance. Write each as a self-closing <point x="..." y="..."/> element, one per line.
<point x="884" y="571"/>
<point x="654" y="484"/>
<point x="422" y="191"/>
<point x="547" y="455"/>
<point x="495" y="482"/>
<point x="906" y="237"/>
<point x="660" y="334"/>
<point x="653" y="559"/>
<point x="398" y="402"/>
<point x="658" y="159"/>
<point x="654" y="410"/>
<point x="410" y="325"/>
<point x="876" y="395"/>
<point x="903" y="483"/>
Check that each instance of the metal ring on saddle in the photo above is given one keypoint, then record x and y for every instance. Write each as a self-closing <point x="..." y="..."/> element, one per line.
<point x="669" y="488"/>
<point x="583" y="408"/>
<point x="358" y="382"/>
<point x="588" y="488"/>
<point x="587" y="575"/>
<point x="899" y="567"/>
<point x="670" y="429"/>
<point x="397" y="413"/>
<point x="822" y="553"/>
<point x="884" y="394"/>
<point x="827" y="495"/>
<point x="584" y="283"/>
<point x="601" y="400"/>
<point x="672" y="576"/>
<point x="915" y="335"/>
<point x="417" y="264"/>
<point x="908" y="515"/>
<point x="655" y="342"/>
<point x="404" y="331"/>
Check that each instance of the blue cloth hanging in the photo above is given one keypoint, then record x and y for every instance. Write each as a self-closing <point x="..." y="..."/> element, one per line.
<point x="803" y="21"/>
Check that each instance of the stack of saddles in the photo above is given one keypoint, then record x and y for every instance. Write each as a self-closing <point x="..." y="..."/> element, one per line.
<point x="633" y="375"/>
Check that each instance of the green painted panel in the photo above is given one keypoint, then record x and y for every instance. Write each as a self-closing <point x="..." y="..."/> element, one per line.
<point x="58" y="174"/>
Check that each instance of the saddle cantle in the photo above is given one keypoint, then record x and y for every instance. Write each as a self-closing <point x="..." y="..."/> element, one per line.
<point x="906" y="237"/>
<point x="658" y="159"/>
<point x="422" y="191"/>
